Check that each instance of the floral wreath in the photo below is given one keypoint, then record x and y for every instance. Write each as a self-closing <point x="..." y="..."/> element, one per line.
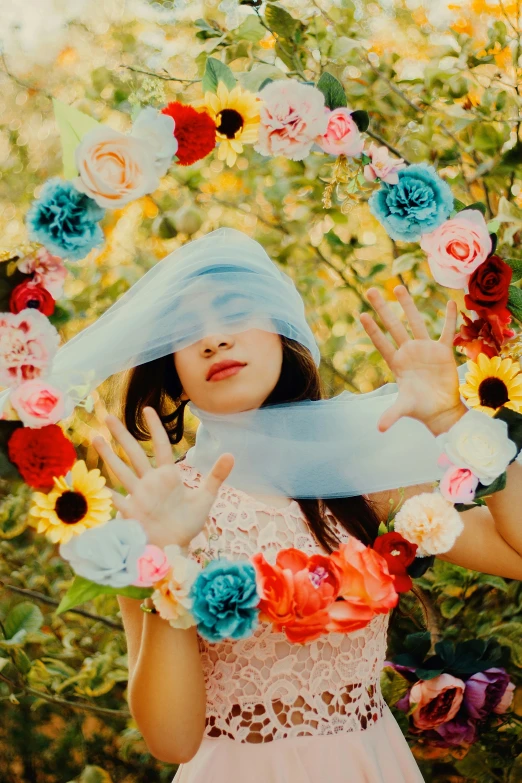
<point x="302" y="596"/>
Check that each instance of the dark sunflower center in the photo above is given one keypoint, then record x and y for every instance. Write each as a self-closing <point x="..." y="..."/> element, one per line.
<point x="229" y="123"/>
<point x="493" y="393"/>
<point x="71" y="507"/>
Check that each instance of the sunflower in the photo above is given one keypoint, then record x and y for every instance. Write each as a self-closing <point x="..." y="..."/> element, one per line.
<point x="236" y="114"/>
<point x="493" y="383"/>
<point x="69" y="509"/>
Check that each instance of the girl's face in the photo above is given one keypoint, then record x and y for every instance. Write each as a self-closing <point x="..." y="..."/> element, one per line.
<point x="258" y="352"/>
<point x="230" y="373"/>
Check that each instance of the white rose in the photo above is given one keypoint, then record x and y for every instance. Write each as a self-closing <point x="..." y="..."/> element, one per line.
<point x="115" y="168"/>
<point x="157" y="130"/>
<point x="481" y="444"/>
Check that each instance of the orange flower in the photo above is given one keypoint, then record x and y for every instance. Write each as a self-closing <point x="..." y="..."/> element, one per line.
<point x="296" y="593"/>
<point x="366" y="580"/>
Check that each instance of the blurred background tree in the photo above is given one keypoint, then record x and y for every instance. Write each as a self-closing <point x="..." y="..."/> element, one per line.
<point x="441" y="83"/>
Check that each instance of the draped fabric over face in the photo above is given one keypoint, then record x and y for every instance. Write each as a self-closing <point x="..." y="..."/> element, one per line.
<point x="225" y="282"/>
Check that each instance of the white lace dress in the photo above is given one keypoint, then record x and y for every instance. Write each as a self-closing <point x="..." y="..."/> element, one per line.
<point x="284" y="712"/>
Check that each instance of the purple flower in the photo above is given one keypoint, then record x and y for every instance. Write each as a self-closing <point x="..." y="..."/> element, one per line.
<point x="404" y="702"/>
<point x="484" y="691"/>
<point x="459" y="731"/>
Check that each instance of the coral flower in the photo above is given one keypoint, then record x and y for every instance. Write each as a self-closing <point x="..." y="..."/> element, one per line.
<point x="236" y="114"/>
<point x="492" y="383"/>
<point x="71" y="508"/>
<point x="296" y="592"/>
<point x="366" y="580"/>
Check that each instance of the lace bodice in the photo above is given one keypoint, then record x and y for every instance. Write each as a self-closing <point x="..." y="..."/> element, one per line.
<point x="264" y="688"/>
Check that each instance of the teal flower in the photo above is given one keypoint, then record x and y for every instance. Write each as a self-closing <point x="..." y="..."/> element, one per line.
<point x="65" y="221"/>
<point x="225" y="600"/>
<point x="418" y="204"/>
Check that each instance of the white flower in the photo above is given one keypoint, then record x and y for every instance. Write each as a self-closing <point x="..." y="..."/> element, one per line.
<point x="157" y="130"/>
<point x="429" y="521"/>
<point x="480" y="443"/>
<point x="107" y="554"/>
<point x="115" y="168"/>
<point x="171" y="596"/>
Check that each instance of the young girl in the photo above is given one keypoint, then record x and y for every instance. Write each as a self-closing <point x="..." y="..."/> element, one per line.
<point x="262" y="709"/>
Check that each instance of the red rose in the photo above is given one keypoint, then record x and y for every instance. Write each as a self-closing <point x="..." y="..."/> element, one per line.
<point x="399" y="554"/>
<point x="41" y="453"/>
<point x="195" y="132"/>
<point x="30" y="294"/>
<point x="488" y="287"/>
<point x="483" y="336"/>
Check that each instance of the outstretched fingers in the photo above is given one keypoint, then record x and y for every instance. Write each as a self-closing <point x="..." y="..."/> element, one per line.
<point x="450" y="324"/>
<point x="219" y="473"/>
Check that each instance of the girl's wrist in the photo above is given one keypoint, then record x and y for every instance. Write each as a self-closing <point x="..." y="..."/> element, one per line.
<point x="445" y="420"/>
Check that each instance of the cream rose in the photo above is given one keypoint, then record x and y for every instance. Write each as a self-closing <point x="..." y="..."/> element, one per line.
<point x="430" y="521"/>
<point x="171" y="596"/>
<point x="480" y="443"/>
<point x="342" y="136"/>
<point x="157" y="130"/>
<point x="114" y="168"/>
<point x="457" y="248"/>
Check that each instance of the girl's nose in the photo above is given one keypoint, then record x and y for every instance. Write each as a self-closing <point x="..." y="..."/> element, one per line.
<point x="214" y="342"/>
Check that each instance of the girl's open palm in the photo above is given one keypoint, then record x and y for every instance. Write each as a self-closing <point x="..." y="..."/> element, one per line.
<point x="425" y="370"/>
<point x="169" y="512"/>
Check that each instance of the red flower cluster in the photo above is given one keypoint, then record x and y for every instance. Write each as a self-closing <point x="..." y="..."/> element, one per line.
<point x="399" y="554"/>
<point x="40" y="453"/>
<point x="29" y="294"/>
<point x="488" y="292"/>
<point x="195" y="132"/>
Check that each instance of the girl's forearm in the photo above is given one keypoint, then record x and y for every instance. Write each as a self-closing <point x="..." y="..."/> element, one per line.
<point x="167" y="695"/>
<point x="506" y="508"/>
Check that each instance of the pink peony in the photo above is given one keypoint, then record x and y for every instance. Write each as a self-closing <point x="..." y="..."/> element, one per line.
<point x="382" y="166"/>
<point x="152" y="566"/>
<point x="48" y="271"/>
<point x="38" y="403"/>
<point x="436" y="701"/>
<point x="457" y="248"/>
<point x="28" y="343"/>
<point x="342" y="136"/>
<point x="457" y="485"/>
<point x="292" y="116"/>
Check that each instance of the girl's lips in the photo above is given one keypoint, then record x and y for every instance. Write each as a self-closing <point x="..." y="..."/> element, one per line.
<point x="226" y="373"/>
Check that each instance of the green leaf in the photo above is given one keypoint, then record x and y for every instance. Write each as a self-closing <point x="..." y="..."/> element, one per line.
<point x="405" y="262"/>
<point x="510" y="634"/>
<point x="478" y="205"/>
<point x="23" y="617"/>
<point x="280" y="21"/>
<point x="393" y="685"/>
<point x="333" y="91"/>
<point x="450" y="607"/>
<point x="514" y="424"/>
<point x="515" y="302"/>
<point x="215" y="72"/>
<point x="516" y="266"/>
<point x="73" y="126"/>
<point x="82" y="590"/>
<point x="428" y="674"/>
<point x="496" y="486"/>
<point x="458" y="206"/>
<point x="382" y="530"/>
<point x="361" y="119"/>
<point x="251" y="29"/>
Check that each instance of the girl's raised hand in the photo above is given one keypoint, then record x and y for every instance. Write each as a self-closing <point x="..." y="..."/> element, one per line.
<point x="425" y="370"/>
<point x="169" y="512"/>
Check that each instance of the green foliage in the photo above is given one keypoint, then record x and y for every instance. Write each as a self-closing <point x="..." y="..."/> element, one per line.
<point x="332" y="89"/>
<point x="215" y="72"/>
<point x="83" y="590"/>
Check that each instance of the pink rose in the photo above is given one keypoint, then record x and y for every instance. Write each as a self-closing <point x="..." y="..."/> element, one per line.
<point x="342" y="136"/>
<point x="436" y="701"/>
<point x="382" y="166"/>
<point x="292" y="116"/>
<point x="152" y="566"/>
<point x="38" y="403"/>
<point x="457" y="485"/>
<point x="457" y="248"/>
<point x="48" y="271"/>
<point x="28" y="343"/>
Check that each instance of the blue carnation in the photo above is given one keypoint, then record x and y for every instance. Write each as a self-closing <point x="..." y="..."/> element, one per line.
<point x="419" y="203"/>
<point x="225" y="599"/>
<point x="65" y="221"/>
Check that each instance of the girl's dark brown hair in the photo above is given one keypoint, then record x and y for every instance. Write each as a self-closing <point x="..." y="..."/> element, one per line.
<point x="157" y="385"/>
